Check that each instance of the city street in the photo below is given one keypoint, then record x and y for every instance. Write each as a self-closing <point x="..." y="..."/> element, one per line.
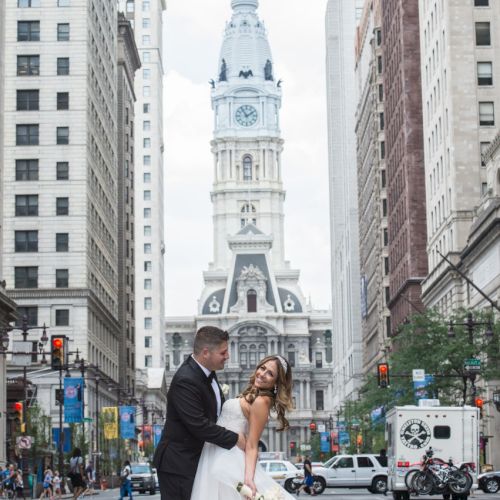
<point x="329" y="494"/>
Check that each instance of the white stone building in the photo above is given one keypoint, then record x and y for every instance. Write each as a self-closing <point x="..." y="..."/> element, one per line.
<point x="341" y="20"/>
<point x="250" y="289"/>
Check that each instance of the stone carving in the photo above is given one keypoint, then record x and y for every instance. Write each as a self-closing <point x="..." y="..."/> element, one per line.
<point x="223" y="71"/>
<point x="251" y="278"/>
<point x="246" y="74"/>
<point x="214" y="305"/>
<point x="268" y="71"/>
<point x="289" y="304"/>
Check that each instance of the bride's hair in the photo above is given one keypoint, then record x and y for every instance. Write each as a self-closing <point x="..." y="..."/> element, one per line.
<point x="281" y="395"/>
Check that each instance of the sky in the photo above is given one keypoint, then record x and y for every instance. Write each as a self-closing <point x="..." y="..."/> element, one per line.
<point x="194" y="33"/>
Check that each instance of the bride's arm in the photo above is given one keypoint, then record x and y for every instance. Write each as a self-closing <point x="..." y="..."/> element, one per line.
<point x="257" y="420"/>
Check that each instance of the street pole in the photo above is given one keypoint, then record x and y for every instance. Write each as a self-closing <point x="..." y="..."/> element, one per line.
<point x="97" y="429"/>
<point x="472" y="376"/>
<point x="61" y="431"/>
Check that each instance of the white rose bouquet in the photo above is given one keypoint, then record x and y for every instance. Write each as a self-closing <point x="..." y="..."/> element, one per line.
<point x="225" y="390"/>
<point x="273" y="494"/>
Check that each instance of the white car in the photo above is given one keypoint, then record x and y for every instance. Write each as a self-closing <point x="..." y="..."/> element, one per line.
<point x="280" y="470"/>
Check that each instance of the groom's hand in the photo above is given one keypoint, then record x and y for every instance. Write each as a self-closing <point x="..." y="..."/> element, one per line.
<point x="242" y="441"/>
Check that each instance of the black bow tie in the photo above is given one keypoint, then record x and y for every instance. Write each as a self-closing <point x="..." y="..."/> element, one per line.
<point x="211" y="377"/>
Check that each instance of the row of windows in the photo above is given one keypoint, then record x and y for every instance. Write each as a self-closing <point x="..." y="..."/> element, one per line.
<point x="29" y="31"/>
<point x="29" y="65"/>
<point x="31" y="315"/>
<point x="28" y="134"/>
<point x="27" y="170"/>
<point x="27" y="277"/>
<point x="29" y="100"/>
<point x="37" y="3"/>
<point x="27" y="205"/>
<point x="27" y="241"/>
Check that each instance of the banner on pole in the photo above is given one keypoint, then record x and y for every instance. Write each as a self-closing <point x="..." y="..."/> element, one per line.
<point x="325" y="441"/>
<point x="73" y="400"/>
<point x="157" y="430"/>
<point x="127" y="422"/>
<point x="110" y="417"/>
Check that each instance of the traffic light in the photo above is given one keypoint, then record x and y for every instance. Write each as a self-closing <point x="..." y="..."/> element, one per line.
<point x="478" y="402"/>
<point x="383" y="375"/>
<point x="58" y="353"/>
<point x="19" y="415"/>
<point x="293" y="448"/>
<point x="312" y="427"/>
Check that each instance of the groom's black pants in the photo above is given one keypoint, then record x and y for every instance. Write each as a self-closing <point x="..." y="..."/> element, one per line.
<point x="175" y="487"/>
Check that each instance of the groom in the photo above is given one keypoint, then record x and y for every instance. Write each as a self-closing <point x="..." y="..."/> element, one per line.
<point x="194" y="402"/>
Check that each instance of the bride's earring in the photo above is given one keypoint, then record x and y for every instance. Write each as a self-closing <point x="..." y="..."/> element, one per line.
<point x="275" y="389"/>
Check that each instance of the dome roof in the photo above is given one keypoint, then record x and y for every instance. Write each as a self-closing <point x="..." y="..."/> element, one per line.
<point x="245" y="52"/>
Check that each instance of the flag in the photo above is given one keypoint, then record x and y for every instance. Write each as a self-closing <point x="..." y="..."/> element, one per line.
<point x="110" y="418"/>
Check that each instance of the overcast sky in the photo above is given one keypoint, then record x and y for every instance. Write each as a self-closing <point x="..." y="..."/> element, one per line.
<point x="194" y="34"/>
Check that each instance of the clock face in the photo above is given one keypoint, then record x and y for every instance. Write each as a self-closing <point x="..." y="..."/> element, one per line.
<point x="246" y="115"/>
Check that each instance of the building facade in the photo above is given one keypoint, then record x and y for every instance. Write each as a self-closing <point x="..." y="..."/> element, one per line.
<point x="402" y="120"/>
<point x="250" y="289"/>
<point x="372" y="186"/>
<point x="460" y="68"/>
<point x="60" y="179"/>
<point x="128" y="63"/>
<point x="342" y="17"/>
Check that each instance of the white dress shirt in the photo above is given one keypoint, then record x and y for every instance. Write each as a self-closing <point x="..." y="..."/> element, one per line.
<point x="215" y="386"/>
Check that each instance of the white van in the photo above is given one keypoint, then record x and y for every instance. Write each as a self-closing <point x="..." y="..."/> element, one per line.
<point x="452" y="432"/>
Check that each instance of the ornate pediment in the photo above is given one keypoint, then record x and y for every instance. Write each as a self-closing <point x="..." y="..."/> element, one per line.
<point x="251" y="288"/>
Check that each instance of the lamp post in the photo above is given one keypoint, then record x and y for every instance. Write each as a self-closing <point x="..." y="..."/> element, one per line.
<point x="470" y="324"/>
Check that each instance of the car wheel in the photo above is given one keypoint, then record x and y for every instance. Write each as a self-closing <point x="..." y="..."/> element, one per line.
<point x="319" y="485"/>
<point x="491" y="485"/>
<point x="446" y="496"/>
<point x="289" y="485"/>
<point x="379" y="484"/>
<point x="152" y="492"/>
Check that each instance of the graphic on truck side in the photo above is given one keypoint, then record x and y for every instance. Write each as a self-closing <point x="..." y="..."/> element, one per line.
<point x="415" y="434"/>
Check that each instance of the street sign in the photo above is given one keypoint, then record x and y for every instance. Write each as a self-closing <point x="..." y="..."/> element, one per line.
<point x="321" y="427"/>
<point x="24" y="442"/>
<point x="418" y="375"/>
<point x="305" y="447"/>
<point x="20" y="348"/>
<point x="472" y="365"/>
<point x="88" y="419"/>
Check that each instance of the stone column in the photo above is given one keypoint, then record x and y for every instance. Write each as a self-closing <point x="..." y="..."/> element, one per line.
<point x="308" y="394"/>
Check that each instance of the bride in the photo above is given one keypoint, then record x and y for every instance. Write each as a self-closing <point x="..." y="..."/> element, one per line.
<point x="220" y="470"/>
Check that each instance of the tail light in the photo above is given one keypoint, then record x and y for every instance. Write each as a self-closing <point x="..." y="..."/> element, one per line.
<point x="404" y="464"/>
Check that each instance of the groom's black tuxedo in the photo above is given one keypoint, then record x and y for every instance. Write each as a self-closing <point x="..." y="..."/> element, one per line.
<point x="191" y="417"/>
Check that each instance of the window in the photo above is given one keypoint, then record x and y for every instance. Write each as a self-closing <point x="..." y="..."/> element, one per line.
<point x="345" y="463"/>
<point x="63" y="3"/>
<point x="62" y="135"/>
<point x="481" y="3"/>
<point x="148" y="303"/>
<point x="147" y="230"/>
<point x="291" y="355"/>
<point x="28" y="100"/>
<point x="146" y="22"/>
<point x="379" y="65"/>
<point x="380" y="92"/>
<point x="146" y="57"/>
<point x="148" y="361"/>
<point x="26" y="277"/>
<point x="381" y="121"/>
<point x="146" y="6"/>
<point x="251" y="301"/>
<point x="147" y="178"/>
<point x="442" y="432"/>
<point x="247" y="168"/>
<point x="147" y="195"/>
<point x="28" y="31"/>
<point x="28" y="3"/>
<point x="484" y="188"/>
<point x="62" y="206"/>
<point x="147" y="213"/>
<point x="146" y="108"/>
<point x="277" y="467"/>
<point x="62" y="242"/>
<point x="319" y="359"/>
<point x="486" y="114"/>
<point x="146" y="143"/>
<point x="146" y="160"/>
<point x="147" y="248"/>
<point x="148" y="341"/>
<point x="27" y="135"/>
<point x="26" y="241"/>
<point x="26" y="170"/>
<point x="148" y="266"/>
<point x="148" y="323"/>
<point x="320" y="405"/>
<point x="62" y="100"/>
<point x="484" y="146"/>
<point x="146" y="91"/>
<point x="63" y="32"/>
<point x="383" y="179"/>
<point x="146" y="40"/>
<point x="382" y="150"/>
<point x="62" y="317"/>
<point x="28" y="312"/>
<point x="484" y="73"/>
<point x="146" y="126"/>
<point x="63" y="66"/>
<point x="62" y="170"/>
<point x="379" y="38"/>
<point x="28" y="65"/>
<point x="26" y="205"/>
<point x="148" y="284"/>
<point x="483" y="35"/>
<point x="130" y="6"/>
<point x="364" y="462"/>
<point x="62" y="278"/>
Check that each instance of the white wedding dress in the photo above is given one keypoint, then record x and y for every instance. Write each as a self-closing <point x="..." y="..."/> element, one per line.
<point x="220" y="470"/>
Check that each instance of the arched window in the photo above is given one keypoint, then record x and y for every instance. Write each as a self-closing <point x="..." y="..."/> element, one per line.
<point x="246" y="210"/>
<point x="251" y="301"/>
<point x="262" y="351"/>
<point x="291" y="354"/>
<point x="243" y="356"/>
<point x="253" y="356"/>
<point x="247" y="168"/>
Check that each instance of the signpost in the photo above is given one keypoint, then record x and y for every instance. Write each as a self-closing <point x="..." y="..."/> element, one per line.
<point x="418" y="375"/>
<point x="472" y="365"/>
<point x="88" y="419"/>
<point x="321" y="427"/>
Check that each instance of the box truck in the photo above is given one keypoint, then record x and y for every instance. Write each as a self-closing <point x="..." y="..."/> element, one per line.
<point x="451" y="432"/>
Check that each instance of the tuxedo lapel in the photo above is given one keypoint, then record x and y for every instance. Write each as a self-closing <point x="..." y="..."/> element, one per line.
<point x="212" y="410"/>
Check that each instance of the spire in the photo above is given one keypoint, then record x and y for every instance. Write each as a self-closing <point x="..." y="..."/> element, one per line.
<point x="238" y="4"/>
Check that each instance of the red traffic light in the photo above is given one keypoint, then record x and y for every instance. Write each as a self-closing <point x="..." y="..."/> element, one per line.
<point x="292" y="445"/>
<point x="18" y="406"/>
<point x="312" y="427"/>
<point x="383" y="368"/>
<point x="383" y="375"/>
<point x="479" y="402"/>
<point x="57" y="343"/>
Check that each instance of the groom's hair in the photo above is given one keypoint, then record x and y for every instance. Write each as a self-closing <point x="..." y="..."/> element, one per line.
<point x="210" y="337"/>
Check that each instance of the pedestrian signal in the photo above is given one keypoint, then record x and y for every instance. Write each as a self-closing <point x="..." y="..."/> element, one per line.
<point x="383" y="375"/>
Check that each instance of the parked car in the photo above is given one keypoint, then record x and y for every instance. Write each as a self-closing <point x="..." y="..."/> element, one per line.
<point x="489" y="482"/>
<point x="142" y="478"/>
<point x="280" y="470"/>
<point x="157" y="483"/>
<point x="353" y="471"/>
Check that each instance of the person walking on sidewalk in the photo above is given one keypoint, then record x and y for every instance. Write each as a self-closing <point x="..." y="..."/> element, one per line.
<point x="76" y="473"/>
<point x="126" y="483"/>
<point x="308" y="483"/>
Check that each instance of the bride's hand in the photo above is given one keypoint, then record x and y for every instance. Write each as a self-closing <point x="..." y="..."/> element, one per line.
<point x="250" y="483"/>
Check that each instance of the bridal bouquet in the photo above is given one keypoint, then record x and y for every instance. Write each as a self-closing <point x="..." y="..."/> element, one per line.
<point x="273" y="494"/>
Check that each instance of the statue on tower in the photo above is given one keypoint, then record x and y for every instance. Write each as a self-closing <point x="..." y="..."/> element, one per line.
<point x="268" y="71"/>
<point x="223" y="71"/>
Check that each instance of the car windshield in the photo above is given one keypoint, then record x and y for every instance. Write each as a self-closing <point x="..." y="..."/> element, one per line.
<point x="140" y="469"/>
<point x="330" y="462"/>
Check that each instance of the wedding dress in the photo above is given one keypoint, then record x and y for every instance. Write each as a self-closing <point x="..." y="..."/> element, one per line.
<point x="219" y="470"/>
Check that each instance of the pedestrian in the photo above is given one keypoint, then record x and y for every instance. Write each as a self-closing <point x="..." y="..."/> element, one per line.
<point x="308" y="483"/>
<point x="126" y="483"/>
<point x="56" y="481"/>
<point x="19" y="483"/>
<point x="90" y="479"/>
<point x="76" y="473"/>
<point x="47" y="484"/>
